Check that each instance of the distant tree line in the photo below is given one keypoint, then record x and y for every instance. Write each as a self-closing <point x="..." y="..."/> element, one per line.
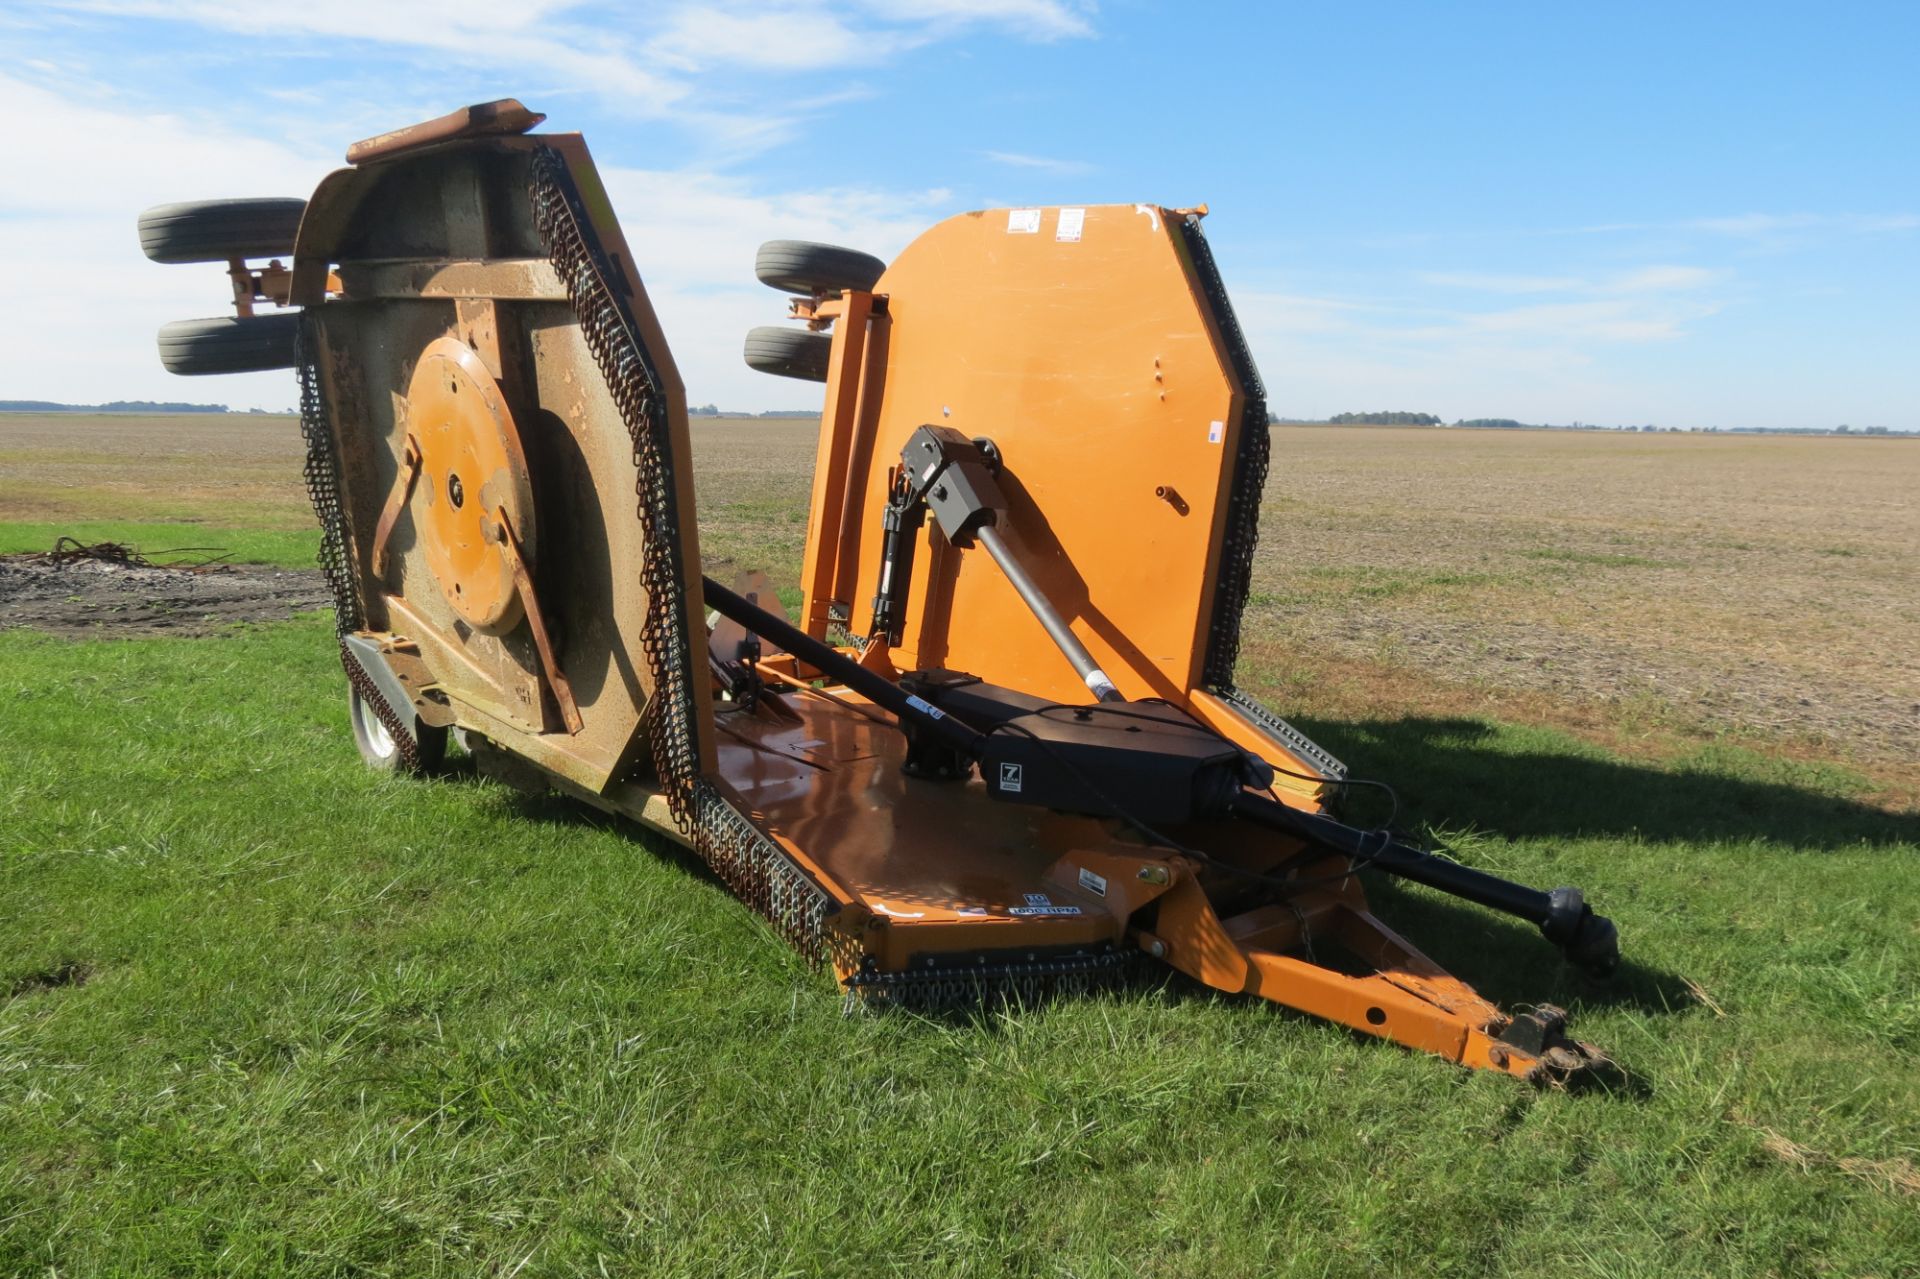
<point x="1384" y="419"/>
<point x="112" y="406"/>
<point x="709" y="410"/>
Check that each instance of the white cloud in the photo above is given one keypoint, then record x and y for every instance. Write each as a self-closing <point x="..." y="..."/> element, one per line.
<point x="102" y="160"/>
<point x="1036" y="19"/>
<point x="84" y="302"/>
<point x="1325" y="354"/>
<point x="1045" y="164"/>
<point x="533" y="35"/>
<point x="800" y="37"/>
<point x="1774" y="228"/>
<point x="640" y="61"/>
<point x="1647" y="279"/>
<point x="1658" y="279"/>
<point x="1586" y="322"/>
<point x="1482" y="282"/>
<point x="1321" y="356"/>
<point x="694" y="236"/>
<point x="1774" y="224"/>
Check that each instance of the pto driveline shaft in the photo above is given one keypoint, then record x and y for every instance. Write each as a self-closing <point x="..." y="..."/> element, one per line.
<point x="1588" y="939"/>
<point x="881" y="692"/>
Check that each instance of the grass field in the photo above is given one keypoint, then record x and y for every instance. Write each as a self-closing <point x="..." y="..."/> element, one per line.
<point x="262" y="1012"/>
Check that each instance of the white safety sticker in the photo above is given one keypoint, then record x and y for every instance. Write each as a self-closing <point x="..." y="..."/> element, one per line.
<point x="1068" y="229"/>
<point x="1023" y="222"/>
<point x="1043" y="910"/>
<point x="1216" y="431"/>
<point x="1010" y="777"/>
<point x="1095" y="884"/>
<point x="925" y="707"/>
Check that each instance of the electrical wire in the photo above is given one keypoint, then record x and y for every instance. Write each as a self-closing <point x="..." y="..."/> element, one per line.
<point x="1287" y="885"/>
<point x="1360" y="861"/>
<point x="1118" y="710"/>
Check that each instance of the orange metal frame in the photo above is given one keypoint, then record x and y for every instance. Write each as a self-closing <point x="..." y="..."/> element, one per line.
<point x="1080" y="341"/>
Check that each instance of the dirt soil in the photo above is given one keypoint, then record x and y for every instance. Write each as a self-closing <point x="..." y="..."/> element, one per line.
<point x="1707" y="583"/>
<point x="90" y="598"/>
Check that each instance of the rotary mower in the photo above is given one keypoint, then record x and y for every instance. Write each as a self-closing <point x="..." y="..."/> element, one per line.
<point x="1000" y="752"/>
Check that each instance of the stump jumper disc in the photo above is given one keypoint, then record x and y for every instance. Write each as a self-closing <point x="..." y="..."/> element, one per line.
<point x="471" y="468"/>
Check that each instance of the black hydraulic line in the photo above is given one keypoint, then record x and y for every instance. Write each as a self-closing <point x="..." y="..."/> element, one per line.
<point x="881" y="692"/>
<point x="899" y="536"/>
<point x="1385" y="853"/>
<point x="1069" y="644"/>
<point x="1562" y="914"/>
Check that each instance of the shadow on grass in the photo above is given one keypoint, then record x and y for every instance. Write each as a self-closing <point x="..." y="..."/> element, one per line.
<point x="1509" y="962"/>
<point x="1462" y="772"/>
<point x="556" y="808"/>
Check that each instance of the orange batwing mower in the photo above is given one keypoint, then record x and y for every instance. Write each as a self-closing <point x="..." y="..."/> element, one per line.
<point x="1000" y="753"/>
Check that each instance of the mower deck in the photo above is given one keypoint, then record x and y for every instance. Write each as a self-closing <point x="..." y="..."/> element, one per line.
<point x="948" y="868"/>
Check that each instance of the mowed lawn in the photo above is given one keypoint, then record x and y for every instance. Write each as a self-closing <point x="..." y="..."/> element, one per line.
<point x="264" y="1012"/>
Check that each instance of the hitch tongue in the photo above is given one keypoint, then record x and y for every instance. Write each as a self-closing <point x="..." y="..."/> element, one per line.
<point x="1542" y="1035"/>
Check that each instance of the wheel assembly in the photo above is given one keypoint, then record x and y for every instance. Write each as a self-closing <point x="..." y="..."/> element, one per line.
<point x="801" y="266"/>
<point x="229" y="344"/>
<point x="219" y="230"/>
<point x="793" y="353"/>
<point x="408" y="747"/>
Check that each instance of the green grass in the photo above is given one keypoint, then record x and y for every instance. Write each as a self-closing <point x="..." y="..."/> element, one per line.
<point x="1325" y="583"/>
<point x="296" y="548"/>
<point x="273" y="1014"/>
<point x="1604" y="559"/>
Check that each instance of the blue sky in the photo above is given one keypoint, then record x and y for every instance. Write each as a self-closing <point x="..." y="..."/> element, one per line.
<point x="1694" y="215"/>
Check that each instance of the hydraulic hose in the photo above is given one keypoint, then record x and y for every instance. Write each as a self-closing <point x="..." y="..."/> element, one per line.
<point x="881" y="692"/>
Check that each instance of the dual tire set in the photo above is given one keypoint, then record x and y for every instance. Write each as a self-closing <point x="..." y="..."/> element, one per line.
<point x="225" y="230"/>
<point x="220" y="231"/>
<point x="802" y="267"/>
